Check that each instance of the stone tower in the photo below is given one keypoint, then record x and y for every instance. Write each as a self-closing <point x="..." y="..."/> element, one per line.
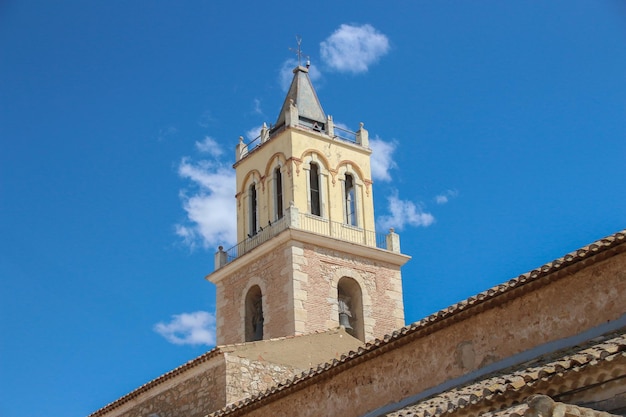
<point x="308" y="257"/>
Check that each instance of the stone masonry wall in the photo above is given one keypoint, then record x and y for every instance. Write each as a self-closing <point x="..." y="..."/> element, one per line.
<point x="193" y="394"/>
<point x="247" y="377"/>
<point x="299" y="286"/>
<point x="272" y="274"/>
<point x="568" y="306"/>
<point x="320" y="269"/>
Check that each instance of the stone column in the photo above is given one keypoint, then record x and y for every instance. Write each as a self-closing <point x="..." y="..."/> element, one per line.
<point x="330" y="126"/>
<point x="221" y="258"/>
<point x="362" y="137"/>
<point x="241" y="149"/>
<point x="393" y="241"/>
<point x="293" y="216"/>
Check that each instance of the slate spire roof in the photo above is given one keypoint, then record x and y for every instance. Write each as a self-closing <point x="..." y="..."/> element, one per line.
<point x="304" y="97"/>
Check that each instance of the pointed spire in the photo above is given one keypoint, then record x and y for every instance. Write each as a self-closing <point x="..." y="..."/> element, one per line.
<point x="302" y="94"/>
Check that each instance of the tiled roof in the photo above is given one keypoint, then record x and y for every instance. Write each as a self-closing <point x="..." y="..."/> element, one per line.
<point x="149" y="385"/>
<point x="544" y="406"/>
<point x="598" y="250"/>
<point x="218" y="350"/>
<point x="520" y="382"/>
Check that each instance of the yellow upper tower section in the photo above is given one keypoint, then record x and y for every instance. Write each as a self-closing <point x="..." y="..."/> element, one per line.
<point x="307" y="163"/>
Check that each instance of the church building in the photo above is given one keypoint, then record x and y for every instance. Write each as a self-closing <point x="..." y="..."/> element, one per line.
<point x="310" y="314"/>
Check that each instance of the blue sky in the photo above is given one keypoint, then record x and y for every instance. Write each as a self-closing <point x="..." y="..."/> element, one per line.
<point x="499" y="130"/>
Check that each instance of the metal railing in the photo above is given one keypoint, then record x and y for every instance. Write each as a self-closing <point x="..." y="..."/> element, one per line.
<point x="263" y="235"/>
<point x="309" y="223"/>
<point x="345" y="134"/>
<point x="249" y="147"/>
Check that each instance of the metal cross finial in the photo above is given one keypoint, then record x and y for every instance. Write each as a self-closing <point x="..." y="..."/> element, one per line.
<point x="298" y="51"/>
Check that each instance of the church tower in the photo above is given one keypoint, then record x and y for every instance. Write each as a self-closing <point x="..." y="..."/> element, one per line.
<point x="308" y="257"/>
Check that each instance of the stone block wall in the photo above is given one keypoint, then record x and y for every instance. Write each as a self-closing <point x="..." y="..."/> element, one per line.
<point x="246" y="377"/>
<point x="271" y="272"/>
<point x="320" y="270"/>
<point x="299" y="286"/>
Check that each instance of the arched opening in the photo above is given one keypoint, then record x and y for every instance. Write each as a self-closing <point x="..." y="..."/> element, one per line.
<point x="254" y="314"/>
<point x="278" y="193"/>
<point x="350" y="307"/>
<point x="314" y="189"/>
<point x="252" y="210"/>
<point x="349" y="200"/>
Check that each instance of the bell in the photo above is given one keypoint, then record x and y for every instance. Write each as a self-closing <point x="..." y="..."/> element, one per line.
<point x="258" y="331"/>
<point x="344" y="320"/>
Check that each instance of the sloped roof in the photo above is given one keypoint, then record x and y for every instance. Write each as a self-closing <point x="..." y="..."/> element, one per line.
<point x="520" y="381"/>
<point x="303" y="95"/>
<point x="257" y="348"/>
<point x="599" y="250"/>
<point x="535" y="406"/>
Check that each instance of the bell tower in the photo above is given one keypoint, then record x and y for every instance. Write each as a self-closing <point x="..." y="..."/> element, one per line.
<point x="308" y="257"/>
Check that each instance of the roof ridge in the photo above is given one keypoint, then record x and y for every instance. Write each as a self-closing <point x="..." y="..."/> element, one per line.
<point x="158" y="380"/>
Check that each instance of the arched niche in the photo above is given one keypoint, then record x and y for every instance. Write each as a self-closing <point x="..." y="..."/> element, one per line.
<point x="350" y="307"/>
<point x="253" y="320"/>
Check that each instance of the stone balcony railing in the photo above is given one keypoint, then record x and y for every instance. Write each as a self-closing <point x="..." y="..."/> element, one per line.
<point x="293" y="219"/>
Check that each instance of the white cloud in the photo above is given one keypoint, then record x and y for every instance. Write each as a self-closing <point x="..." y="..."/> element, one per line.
<point x="382" y="158"/>
<point x="210" y="146"/>
<point x="354" y="48"/>
<point x="253" y="133"/>
<point x="342" y="126"/>
<point x="286" y="73"/>
<point x="404" y="212"/>
<point x="210" y="205"/>
<point x="197" y="328"/>
<point x="257" y="106"/>
<point x="444" y="197"/>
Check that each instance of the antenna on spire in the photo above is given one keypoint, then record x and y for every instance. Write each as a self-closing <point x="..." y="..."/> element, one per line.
<point x="299" y="53"/>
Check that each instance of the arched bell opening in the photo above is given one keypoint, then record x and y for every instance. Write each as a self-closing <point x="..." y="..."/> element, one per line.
<point x="254" y="314"/>
<point x="350" y="307"/>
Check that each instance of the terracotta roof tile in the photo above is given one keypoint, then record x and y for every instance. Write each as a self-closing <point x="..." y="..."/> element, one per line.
<point x="218" y="350"/>
<point x="149" y="385"/>
<point x="517" y="379"/>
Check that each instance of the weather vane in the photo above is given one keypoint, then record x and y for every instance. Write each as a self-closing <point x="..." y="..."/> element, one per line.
<point x="298" y="52"/>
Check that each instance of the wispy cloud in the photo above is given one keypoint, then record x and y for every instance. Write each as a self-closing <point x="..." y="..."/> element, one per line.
<point x="210" y="146"/>
<point x="354" y="48"/>
<point x="403" y="213"/>
<point x="382" y="158"/>
<point x="209" y="201"/>
<point x="197" y="328"/>
<point x="253" y="133"/>
<point x="444" y="197"/>
<point x="166" y="132"/>
<point x="257" y="106"/>
<point x="286" y="73"/>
